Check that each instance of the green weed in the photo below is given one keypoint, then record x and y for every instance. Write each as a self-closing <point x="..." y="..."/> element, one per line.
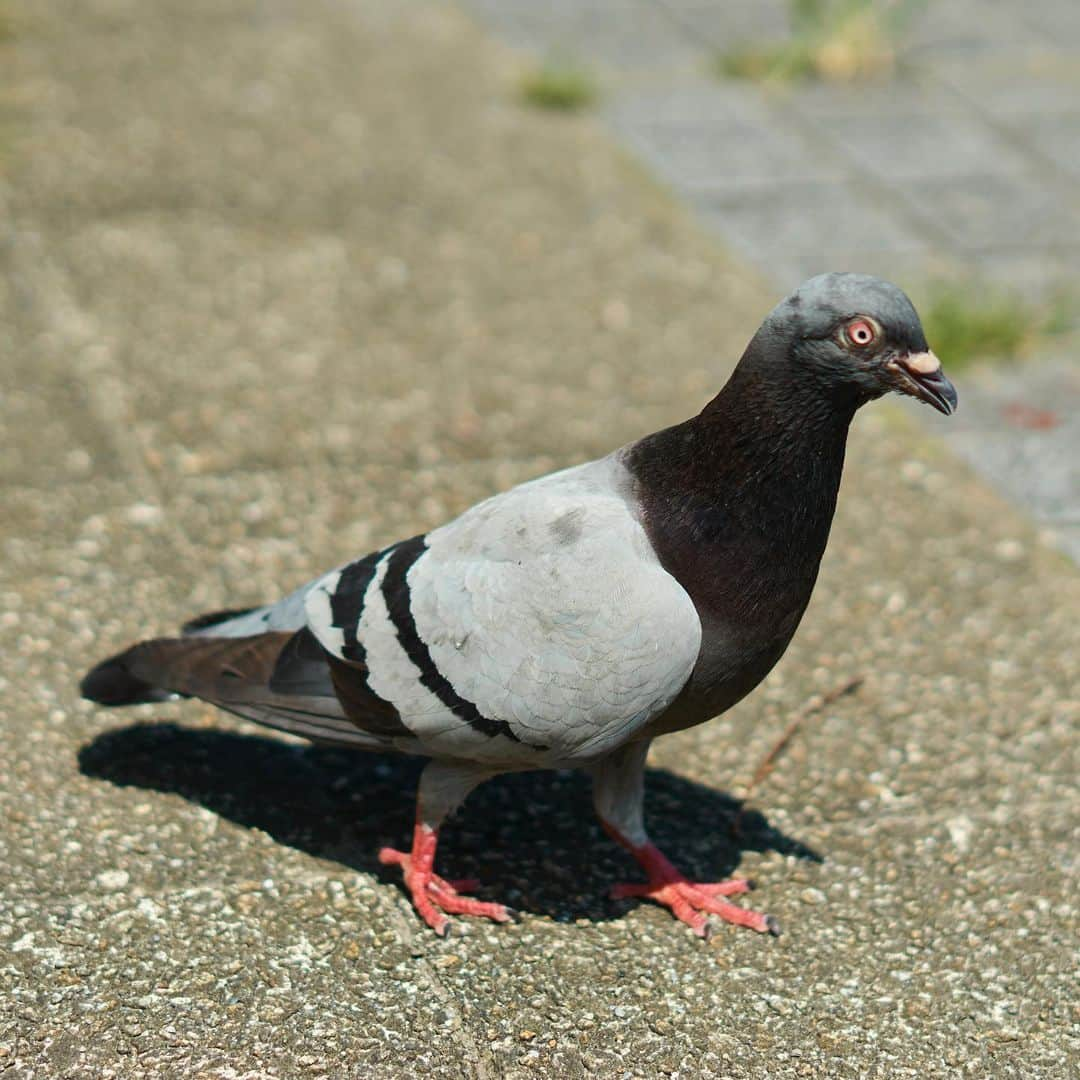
<point x="559" y="85"/>
<point x="964" y="323"/>
<point x="831" y="40"/>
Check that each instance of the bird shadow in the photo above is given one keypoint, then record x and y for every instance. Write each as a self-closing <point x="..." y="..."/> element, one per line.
<point x="531" y="838"/>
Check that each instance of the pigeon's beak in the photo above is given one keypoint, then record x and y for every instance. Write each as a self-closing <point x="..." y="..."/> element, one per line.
<point x="920" y="376"/>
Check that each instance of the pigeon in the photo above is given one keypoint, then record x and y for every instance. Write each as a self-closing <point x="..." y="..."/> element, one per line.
<point x="567" y="622"/>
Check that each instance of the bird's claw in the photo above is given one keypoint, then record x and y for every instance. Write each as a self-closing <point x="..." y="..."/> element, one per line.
<point x="432" y="895"/>
<point x="692" y="902"/>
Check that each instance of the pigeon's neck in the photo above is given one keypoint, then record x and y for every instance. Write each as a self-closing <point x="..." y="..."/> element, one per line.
<point x="738" y="501"/>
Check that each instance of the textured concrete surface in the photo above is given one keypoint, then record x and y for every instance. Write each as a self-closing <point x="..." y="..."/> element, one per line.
<point x="1020" y="427"/>
<point x="281" y="281"/>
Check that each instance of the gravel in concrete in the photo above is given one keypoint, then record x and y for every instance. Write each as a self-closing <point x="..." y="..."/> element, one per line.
<point x="285" y="280"/>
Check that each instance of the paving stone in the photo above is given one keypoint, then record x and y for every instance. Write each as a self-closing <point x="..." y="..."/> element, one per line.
<point x="965" y="29"/>
<point x="1056" y="21"/>
<point x="1058" y="137"/>
<point x="1012" y="89"/>
<point x="740" y="154"/>
<point x="1033" y="277"/>
<point x="983" y="212"/>
<point x="786" y="219"/>
<point x="890" y="98"/>
<point x="733" y="23"/>
<point x="900" y="147"/>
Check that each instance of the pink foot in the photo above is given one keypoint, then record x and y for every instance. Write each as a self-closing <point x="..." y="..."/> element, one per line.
<point x="692" y="902"/>
<point x="430" y="892"/>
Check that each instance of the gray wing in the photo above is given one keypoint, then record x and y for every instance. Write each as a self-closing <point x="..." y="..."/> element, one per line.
<point x="285" y="614"/>
<point x="539" y="627"/>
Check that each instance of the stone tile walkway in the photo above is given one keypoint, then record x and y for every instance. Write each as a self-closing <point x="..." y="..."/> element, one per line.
<point x="967" y="166"/>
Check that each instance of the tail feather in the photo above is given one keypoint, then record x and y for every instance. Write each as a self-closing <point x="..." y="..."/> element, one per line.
<point x="205" y="667"/>
<point x="239" y="674"/>
<point x="113" y="683"/>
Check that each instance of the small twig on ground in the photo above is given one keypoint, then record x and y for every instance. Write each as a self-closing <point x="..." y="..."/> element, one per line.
<point x="814" y="705"/>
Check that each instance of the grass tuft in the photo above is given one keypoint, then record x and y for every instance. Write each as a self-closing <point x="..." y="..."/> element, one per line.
<point x="560" y="86"/>
<point x="831" y="40"/>
<point x="964" y="323"/>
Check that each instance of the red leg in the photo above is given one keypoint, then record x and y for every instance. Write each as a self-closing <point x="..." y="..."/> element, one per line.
<point x="430" y="893"/>
<point x="690" y="901"/>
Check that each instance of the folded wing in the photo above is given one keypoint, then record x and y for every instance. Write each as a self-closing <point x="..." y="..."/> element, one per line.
<point x="538" y="627"/>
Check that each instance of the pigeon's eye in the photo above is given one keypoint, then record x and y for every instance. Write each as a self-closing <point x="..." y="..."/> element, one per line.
<point x="860" y="333"/>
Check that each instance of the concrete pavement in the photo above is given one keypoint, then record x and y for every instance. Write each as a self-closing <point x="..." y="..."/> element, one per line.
<point x="282" y="281"/>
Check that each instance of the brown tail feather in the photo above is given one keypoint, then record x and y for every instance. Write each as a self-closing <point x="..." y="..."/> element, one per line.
<point x="216" y="669"/>
<point x="112" y="683"/>
<point x="236" y="674"/>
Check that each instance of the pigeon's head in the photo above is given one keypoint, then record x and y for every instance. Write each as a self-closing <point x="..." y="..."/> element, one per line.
<point x="858" y="337"/>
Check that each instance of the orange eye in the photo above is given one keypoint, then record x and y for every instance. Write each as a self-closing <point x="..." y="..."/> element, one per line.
<point x="861" y="332"/>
